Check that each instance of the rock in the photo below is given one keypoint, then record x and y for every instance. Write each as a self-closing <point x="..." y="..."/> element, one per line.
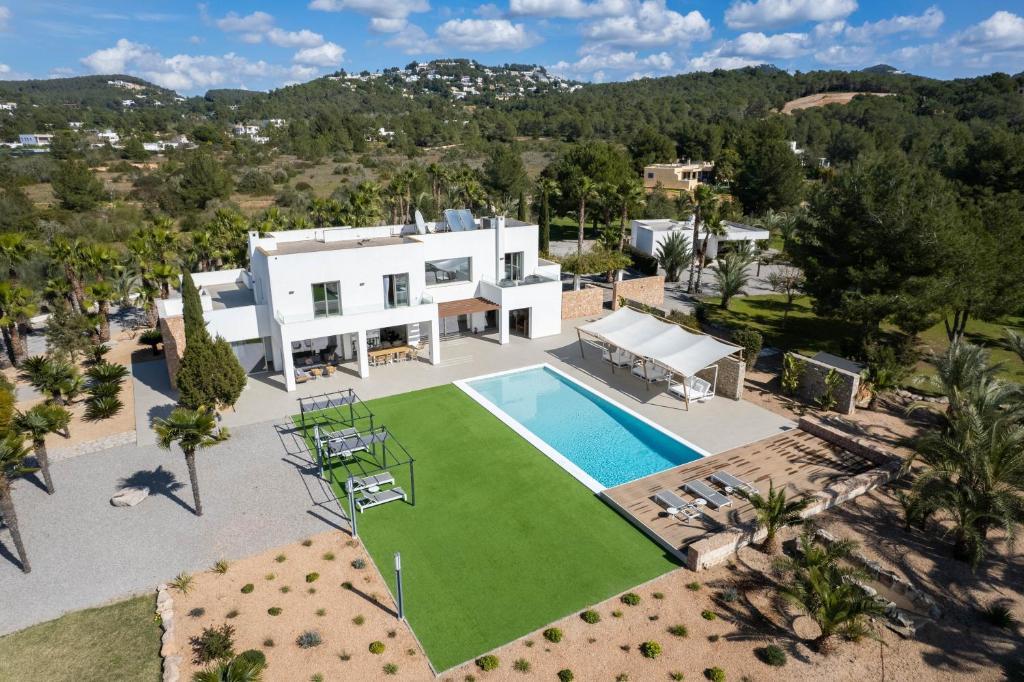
<point x="129" y="497"/>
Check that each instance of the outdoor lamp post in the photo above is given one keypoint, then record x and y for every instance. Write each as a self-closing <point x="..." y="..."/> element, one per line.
<point x="349" y="485"/>
<point x="398" y="585"/>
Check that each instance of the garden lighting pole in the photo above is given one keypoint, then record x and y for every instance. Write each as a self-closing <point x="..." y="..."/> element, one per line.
<point x="398" y="585"/>
<point x="349" y="485"/>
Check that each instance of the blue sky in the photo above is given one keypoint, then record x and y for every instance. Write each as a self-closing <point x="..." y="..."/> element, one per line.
<point x="261" y="45"/>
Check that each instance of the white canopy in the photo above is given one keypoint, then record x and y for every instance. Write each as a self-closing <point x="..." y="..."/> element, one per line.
<point x="664" y="343"/>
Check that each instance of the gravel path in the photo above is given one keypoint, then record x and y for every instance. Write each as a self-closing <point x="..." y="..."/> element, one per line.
<point x="84" y="552"/>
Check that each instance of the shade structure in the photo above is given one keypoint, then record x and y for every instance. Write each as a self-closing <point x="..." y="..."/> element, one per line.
<point x="664" y="343"/>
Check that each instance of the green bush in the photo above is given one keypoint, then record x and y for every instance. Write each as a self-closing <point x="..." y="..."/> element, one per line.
<point x="1000" y="616"/>
<point x="359" y="563"/>
<point x="678" y="631"/>
<point x="630" y="599"/>
<point x="377" y="647"/>
<point x="488" y="662"/>
<point x="677" y="676"/>
<point x="591" y="616"/>
<point x="658" y="595"/>
<point x="390" y="669"/>
<point x="328" y="556"/>
<point x="100" y="408"/>
<point x="521" y="665"/>
<point x="715" y="674"/>
<point x="359" y="620"/>
<point x="772" y="654"/>
<point x="197" y="612"/>
<point x="214" y="644"/>
<point x="309" y="639"/>
<point x="248" y="588"/>
<point x="233" y="613"/>
<point x="268" y="642"/>
<point x="553" y="635"/>
<point x="693" y="587"/>
<point x="307" y="542"/>
<point x="274" y="610"/>
<point x="752" y="341"/>
<point x="650" y="649"/>
<point x="565" y="675"/>
<point x="708" y="615"/>
<point x="280" y="558"/>
<point x="312" y="577"/>
<point x="253" y="656"/>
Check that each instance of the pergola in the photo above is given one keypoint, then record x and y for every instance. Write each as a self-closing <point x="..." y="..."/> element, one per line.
<point x="658" y="341"/>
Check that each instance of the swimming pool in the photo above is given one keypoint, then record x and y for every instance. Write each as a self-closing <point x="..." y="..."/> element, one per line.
<point x="600" y="442"/>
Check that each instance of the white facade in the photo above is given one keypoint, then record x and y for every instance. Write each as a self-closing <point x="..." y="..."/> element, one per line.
<point x="398" y="281"/>
<point x="646" y="236"/>
<point x="36" y="139"/>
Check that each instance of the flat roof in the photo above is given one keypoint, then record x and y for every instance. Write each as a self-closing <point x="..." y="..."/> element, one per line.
<point x="229" y="295"/>
<point x="315" y="245"/>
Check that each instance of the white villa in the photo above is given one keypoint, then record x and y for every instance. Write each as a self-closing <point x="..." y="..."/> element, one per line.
<point x="647" y="235"/>
<point x="320" y="297"/>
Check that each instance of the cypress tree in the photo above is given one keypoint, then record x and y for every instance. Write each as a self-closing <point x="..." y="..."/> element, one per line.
<point x="523" y="214"/>
<point x="210" y="374"/>
<point x="195" y="325"/>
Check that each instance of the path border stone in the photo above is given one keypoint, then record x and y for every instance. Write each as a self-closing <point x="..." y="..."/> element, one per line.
<point x="168" y="649"/>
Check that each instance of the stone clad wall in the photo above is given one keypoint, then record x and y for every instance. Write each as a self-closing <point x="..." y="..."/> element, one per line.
<point x="731" y="374"/>
<point x="646" y="290"/>
<point x="173" y="330"/>
<point x="589" y="300"/>
<point x="812" y="384"/>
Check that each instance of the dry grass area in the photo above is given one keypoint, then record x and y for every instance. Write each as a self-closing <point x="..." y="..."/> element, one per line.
<point x="348" y="620"/>
<point x="824" y="99"/>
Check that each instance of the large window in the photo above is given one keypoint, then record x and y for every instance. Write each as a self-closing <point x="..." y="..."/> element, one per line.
<point x="396" y="290"/>
<point x="448" y="270"/>
<point x="326" y="299"/>
<point x="514" y="266"/>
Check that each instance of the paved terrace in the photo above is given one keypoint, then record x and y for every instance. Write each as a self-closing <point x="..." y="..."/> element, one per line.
<point x="803" y="463"/>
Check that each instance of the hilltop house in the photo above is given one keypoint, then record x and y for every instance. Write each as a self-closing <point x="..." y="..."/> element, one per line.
<point x="678" y="177"/>
<point x="36" y="139"/>
<point x="647" y="235"/>
<point x="339" y="294"/>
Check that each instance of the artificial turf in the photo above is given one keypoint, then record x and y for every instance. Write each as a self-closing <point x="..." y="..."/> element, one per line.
<point x="502" y="540"/>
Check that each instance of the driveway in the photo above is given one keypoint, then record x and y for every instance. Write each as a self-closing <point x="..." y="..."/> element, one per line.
<point x="84" y="552"/>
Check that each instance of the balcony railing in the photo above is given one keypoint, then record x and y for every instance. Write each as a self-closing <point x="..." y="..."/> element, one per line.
<point x="525" y="281"/>
<point x="308" y="316"/>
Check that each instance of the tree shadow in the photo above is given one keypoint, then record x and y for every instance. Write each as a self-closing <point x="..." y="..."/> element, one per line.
<point x="9" y="555"/>
<point x="160" y="481"/>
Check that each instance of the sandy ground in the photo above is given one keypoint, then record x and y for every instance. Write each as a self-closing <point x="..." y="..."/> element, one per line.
<point x="825" y="98"/>
<point x="369" y="599"/>
<point x="122" y="348"/>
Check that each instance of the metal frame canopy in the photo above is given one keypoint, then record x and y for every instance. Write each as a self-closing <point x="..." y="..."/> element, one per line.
<point x="345" y="436"/>
<point x="657" y="340"/>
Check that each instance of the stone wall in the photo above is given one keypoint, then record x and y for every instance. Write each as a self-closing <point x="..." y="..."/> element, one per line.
<point x="812" y="384"/>
<point x="714" y="549"/>
<point x="173" y="330"/>
<point x="588" y="301"/>
<point x="731" y="374"/>
<point x="646" y="290"/>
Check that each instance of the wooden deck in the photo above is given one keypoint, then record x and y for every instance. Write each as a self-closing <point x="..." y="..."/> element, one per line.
<point x="797" y="460"/>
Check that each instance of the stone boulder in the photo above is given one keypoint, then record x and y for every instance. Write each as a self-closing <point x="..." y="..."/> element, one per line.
<point x="129" y="497"/>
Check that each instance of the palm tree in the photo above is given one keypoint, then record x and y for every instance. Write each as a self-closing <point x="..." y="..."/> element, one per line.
<point x="630" y="196"/>
<point x="15" y="249"/>
<point x="712" y="219"/>
<point x="68" y="254"/>
<point x="731" y="273"/>
<point x="673" y="255"/>
<point x="16" y="307"/>
<point x="192" y="430"/>
<point x="164" y="275"/>
<point x="1016" y="342"/>
<point x="37" y="423"/>
<point x="774" y="512"/>
<point x="103" y="292"/>
<point x="146" y="299"/>
<point x="12" y="465"/>
<point x="240" y="669"/>
<point x="547" y="188"/>
<point x="703" y="199"/>
<point x="837" y="604"/>
<point x="48" y="376"/>
<point x="583" y="190"/>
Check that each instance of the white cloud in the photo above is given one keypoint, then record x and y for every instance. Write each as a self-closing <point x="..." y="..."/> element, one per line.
<point x="387" y="24"/>
<point x="781" y="45"/>
<point x="709" y="61"/>
<point x="1000" y="32"/>
<point x="387" y="9"/>
<point x="846" y="55"/>
<point x="485" y="34"/>
<point x="328" y="55"/>
<point x="925" y="24"/>
<point x="413" y="40"/>
<point x="189" y="73"/>
<point x="303" y="38"/>
<point x="595" y="65"/>
<point x="5" y="17"/>
<point x="195" y="40"/>
<point x="569" y="9"/>
<point x="650" y="24"/>
<point x="257" y="22"/>
<point x="488" y="11"/>
<point x="754" y="14"/>
<point x="4" y="68"/>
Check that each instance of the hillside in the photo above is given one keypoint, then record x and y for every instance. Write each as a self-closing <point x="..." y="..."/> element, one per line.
<point x="87" y="91"/>
<point x="824" y="99"/>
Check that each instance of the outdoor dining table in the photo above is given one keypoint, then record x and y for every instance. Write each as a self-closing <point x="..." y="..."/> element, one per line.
<point x="385" y="353"/>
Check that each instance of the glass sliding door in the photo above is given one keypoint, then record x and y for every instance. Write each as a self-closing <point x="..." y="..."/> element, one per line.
<point x="396" y="290"/>
<point x="514" y="266"/>
<point x="326" y="299"/>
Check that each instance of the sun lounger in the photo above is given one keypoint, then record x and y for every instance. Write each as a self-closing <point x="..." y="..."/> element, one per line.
<point x="345" y="442"/>
<point x="696" y="388"/>
<point x="701" y="489"/>
<point x="617" y="357"/>
<point x="675" y="505"/>
<point x="727" y="480"/>
<point x="653" y="374"/>
<point x="383" y="497"/>
<point x="375" y="481"/>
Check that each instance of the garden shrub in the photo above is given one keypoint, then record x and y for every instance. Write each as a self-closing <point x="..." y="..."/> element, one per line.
<point x="280" y="558"/>
<point x="553" y="635"/>
<point x="676" y="675"/>
<point x="182" y="583"/>
<point x="729" y="594"/>
<point x="359" y="563"/>
<point x="630" y="599"/>
<point x="248" y="588"/>
<point x="752" y="341"/>
<point x="233" y="613"/>
<point x="346" y="585"/>
<point x="693" y="587"/>
<point x="616" y="614"/>
<point x="268" y="642"/>
<point x="359" y="620"/>
<point x="658" y="595"/>
<point x="792" y="372"/>
<point x="321" y="612"/>
<point x="591" y="616"/>
<point x="713" y="638"/>
<point x="307" y="542"/>
<point x="521" y="665"/>
<point x="650" y="649"/>
<point x="772" y="654"/>
<point x="390" y="669"/>
<point x="274" y="610"/>
<point x="254" y="656"/>
<point x="999" y="615"/>
<point x="715" y="674"/>
<point x="377" y="647"/>
<point x="708" y="615"/>
<point x="328" y="556"/>
<point x="197" y="612"/>
<point x="312" y="577"/>
<point x="488" y="662"/>
<point x="309" y="639"/>
<point x="221" y="567"/>
<point x="214" y="644"/>
<point x="285" y="589"/>
<point x="565" y="675"/>
<point x="678" y="631"/>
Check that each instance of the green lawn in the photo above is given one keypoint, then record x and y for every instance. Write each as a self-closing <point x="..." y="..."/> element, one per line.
<point x="807" y="333"/>
<point x="501" y="540"/>
<point x="116" y="642"/>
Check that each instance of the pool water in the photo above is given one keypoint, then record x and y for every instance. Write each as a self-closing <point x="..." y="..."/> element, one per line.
<point x="604" y="440"/>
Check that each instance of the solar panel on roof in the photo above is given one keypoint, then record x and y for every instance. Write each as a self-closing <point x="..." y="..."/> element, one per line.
<point x="459" y="219"/>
